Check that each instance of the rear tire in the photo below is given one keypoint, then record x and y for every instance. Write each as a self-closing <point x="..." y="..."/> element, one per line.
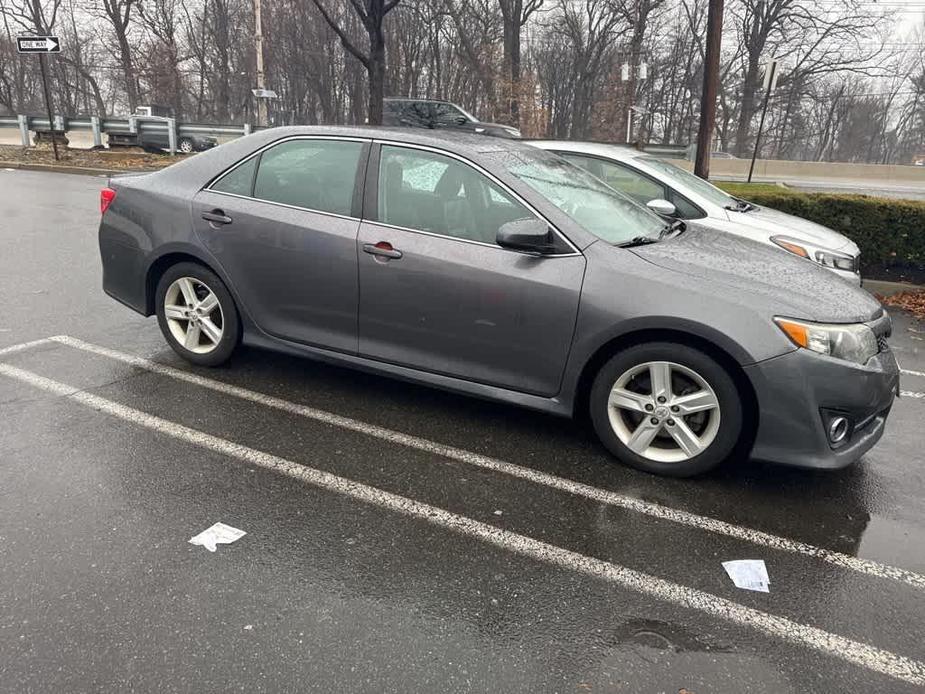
<point x="666" y="408"/>
<point x="186" y="145"/>
<point x="197" y="314"/>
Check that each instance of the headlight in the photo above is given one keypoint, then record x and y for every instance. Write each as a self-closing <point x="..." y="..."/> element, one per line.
<point x="836" y="260"/>
<point x="792" y="246"/>
<point x="853" y="342"/>
<point x="824" y="257"/>
<point x="512" y="131"/>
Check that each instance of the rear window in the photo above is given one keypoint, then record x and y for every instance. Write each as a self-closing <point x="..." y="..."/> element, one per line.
<point x="238" y="181"/>
<point x="312" y="174"/>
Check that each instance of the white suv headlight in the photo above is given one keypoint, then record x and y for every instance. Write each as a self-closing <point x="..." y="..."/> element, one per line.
<point x="854" y="342"/>
<point x="823" y="256"/>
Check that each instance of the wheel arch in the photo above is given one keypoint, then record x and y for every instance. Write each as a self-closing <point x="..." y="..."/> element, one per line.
<point x="164" y="262"/>
<point x="728" y="359"/>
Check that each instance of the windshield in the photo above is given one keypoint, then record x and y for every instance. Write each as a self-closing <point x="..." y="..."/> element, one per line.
<point x="594" y="205"/>
<point x="684" y="179"/>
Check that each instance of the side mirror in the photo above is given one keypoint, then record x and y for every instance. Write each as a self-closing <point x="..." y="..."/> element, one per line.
<point x="528" y="235"/>
<point x="662" y="207"/>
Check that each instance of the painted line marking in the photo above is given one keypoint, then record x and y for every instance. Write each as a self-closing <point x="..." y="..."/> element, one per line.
<point x="602" y="496"/>
<point x="912" y="373"/>
<point x="13" y="349"/>
<point x="911" y="394"/>
<point x="862" y="654"/>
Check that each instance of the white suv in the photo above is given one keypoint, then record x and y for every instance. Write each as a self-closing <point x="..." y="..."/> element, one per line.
<point x="673" y="192"/>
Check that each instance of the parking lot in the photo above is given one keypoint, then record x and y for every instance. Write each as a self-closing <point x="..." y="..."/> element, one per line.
<point x="399" y="538"/>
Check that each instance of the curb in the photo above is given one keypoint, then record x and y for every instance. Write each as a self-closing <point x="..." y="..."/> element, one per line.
<point x="60" y="168"/>
<point x="884" y="288"/>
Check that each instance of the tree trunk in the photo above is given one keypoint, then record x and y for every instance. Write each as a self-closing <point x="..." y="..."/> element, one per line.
<point x="376" y="71"/>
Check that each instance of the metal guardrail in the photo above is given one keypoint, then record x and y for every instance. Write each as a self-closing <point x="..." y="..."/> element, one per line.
<point x="130" y="125"/>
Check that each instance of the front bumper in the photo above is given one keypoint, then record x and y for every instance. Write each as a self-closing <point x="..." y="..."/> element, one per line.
<point x="797" y="390"/>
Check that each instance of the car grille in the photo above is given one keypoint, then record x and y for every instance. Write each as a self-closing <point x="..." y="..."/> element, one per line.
<point x="882" y="345"/>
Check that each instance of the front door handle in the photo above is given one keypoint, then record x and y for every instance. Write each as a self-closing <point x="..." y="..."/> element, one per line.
<point x="383" y="249"/>
<point x="216" y="217"/>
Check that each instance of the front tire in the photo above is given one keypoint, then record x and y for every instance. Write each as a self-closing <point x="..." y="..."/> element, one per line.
<point x="186" y="145"/>
<point x="197" y="314"/>
<point x="666" y="408"/>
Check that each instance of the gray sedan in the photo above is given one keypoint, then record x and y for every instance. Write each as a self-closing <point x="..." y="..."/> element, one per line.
<point x="496" y="269"/>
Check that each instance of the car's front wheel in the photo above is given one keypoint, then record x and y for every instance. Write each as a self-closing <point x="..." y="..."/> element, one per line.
<point x="666" y="408"/>
<point x="186" y="145"/>
<point x="197" y="314"/>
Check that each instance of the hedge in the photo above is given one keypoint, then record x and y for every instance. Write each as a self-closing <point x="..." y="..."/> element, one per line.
<point x="890" y="232"/>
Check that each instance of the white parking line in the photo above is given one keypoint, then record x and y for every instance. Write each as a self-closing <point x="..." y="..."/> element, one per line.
<point x="595" y="494"/>
<point x="909" y="372"/>
<point x="23" y="346"/>
<point x="862" y="654"/>
<point x="911" y="394"/>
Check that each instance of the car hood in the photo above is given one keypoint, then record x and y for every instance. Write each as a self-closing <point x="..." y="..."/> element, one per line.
<point x="788" y="285"/>
<point x="775" y="222"/>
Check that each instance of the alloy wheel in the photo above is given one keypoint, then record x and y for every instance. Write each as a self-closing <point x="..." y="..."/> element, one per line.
<point x="664" y="412"/>
<point x="186" y="146"/>
<point x="194" y="315"/>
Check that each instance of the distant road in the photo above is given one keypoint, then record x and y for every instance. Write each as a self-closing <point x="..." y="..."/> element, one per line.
<point x="905" y="189"/>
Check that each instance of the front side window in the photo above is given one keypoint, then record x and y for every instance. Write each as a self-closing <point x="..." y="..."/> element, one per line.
<point x="593" y="205"/>
<point x="624" y="179"/>
<point x="686" y="180"/>
<point x="313" y="174"/>
<point x="435" y="193"/>
<point x="447" y="114"/>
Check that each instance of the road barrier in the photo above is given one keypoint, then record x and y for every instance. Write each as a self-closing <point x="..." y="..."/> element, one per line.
<point x="131" y="125"/>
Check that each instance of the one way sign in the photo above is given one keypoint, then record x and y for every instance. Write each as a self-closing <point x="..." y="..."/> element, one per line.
<point x="38" y="44"/>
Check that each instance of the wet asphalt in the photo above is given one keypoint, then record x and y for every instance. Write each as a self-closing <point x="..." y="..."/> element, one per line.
<point x="101" y="592"/>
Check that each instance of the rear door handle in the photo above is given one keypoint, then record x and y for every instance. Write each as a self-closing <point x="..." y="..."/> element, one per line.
<point x="383" y="249"/>
<point x="216" y="217"/>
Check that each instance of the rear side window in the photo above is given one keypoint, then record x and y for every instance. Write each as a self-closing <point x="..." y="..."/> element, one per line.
<point x="238" y="181"/>
<point x="313" y="174"/>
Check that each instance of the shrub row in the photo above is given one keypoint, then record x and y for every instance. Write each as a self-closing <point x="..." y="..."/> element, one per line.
<point x="887" y="231"/>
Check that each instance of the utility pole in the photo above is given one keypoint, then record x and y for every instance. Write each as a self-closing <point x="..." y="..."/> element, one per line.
<point x="770" y="83"/>
<point x="710" y="88"/>
<point x="258" y="46"/>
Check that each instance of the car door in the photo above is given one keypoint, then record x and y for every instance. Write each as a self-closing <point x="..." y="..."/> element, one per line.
<point x="283" y="226"/>
<point x="438" y="294"/>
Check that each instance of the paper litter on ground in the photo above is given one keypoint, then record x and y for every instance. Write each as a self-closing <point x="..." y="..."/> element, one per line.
<point x="218" y="534"/>
<point x="750" y="574"/>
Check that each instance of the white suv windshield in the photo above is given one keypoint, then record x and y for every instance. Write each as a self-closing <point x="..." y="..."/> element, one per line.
<point x="682" y="180"/>
<point x="594" y="205"/>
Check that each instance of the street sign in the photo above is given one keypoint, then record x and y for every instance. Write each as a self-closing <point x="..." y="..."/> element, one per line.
<point x="264" y="93"/>
<point x="38" y="44"/>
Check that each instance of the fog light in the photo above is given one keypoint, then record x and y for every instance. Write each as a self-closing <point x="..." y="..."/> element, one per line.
<point x="838" y="429"/>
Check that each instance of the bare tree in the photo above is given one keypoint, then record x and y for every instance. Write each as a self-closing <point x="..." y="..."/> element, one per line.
<point x="371" y="14"/>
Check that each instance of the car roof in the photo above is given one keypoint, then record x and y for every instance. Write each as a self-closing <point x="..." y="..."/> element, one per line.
<point x="199" y="170"/>
<point x="412" y="99"/>
<point x="603" y="149"/>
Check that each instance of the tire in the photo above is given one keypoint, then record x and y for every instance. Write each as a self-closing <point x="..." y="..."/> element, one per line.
<point x="645" y="433"/>
<point x="219" y="327"/>
<point x="186" y="145"/>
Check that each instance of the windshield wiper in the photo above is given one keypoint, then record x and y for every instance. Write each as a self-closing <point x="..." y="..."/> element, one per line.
<point x="740" y="206"/>
<point x="638" y="241"/>
<point x="677" y="227"/>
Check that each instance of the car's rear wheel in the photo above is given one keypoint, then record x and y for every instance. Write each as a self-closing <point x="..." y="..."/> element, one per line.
<point x="186" y="145"/>
<point x="197" y="315"/>
<point x="666" y="408"/>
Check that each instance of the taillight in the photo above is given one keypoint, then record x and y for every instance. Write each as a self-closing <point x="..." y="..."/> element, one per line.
<point x="107" y="195"/>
